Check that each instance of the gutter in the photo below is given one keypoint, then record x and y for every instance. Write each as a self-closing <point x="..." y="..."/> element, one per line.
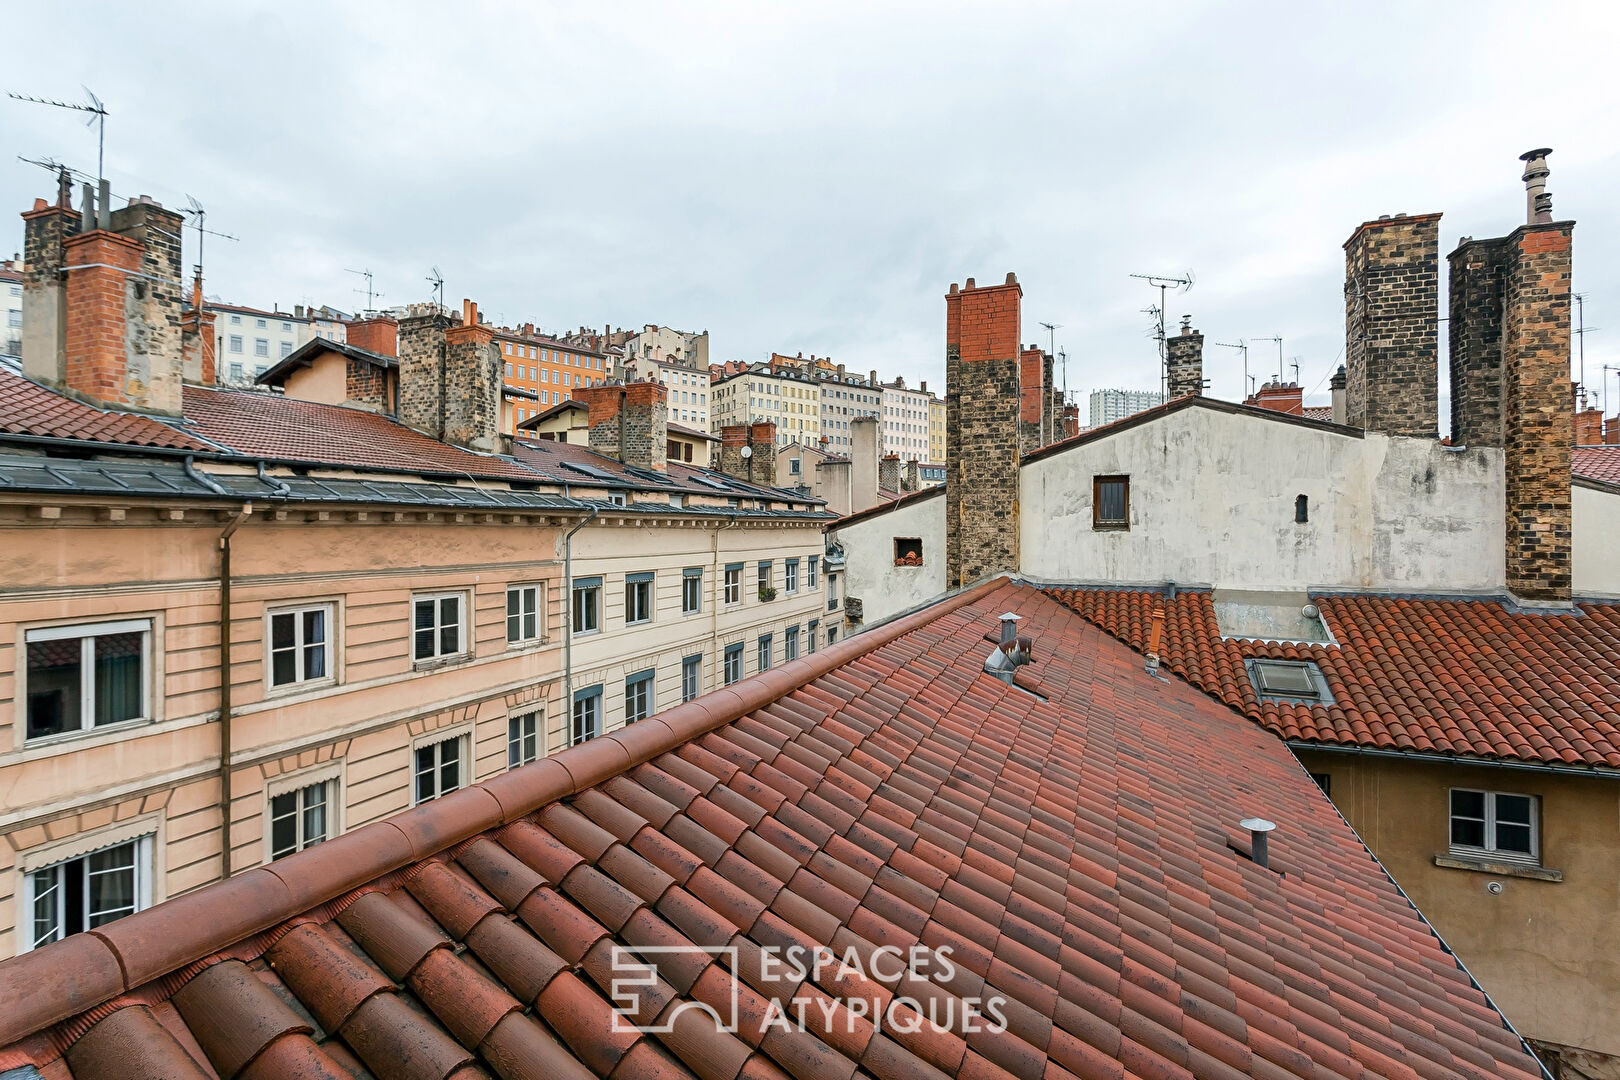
<point x="568" y="623"/>
<point x="206" y="481"/>
<point x="225" y="688"/>
<point x="1589" y="771"/>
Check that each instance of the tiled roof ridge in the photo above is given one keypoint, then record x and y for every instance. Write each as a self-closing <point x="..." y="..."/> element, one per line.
<point x="65" y="978"/>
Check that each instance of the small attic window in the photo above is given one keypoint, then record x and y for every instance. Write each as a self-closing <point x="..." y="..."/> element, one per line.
<point x="1302" y="509"/>
<point x="908" y="551"/>
<point x="1289" y="680"/>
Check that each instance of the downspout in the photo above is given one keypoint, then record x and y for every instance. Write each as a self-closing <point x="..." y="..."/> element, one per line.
<point x="568" y="619"/>
<point x="225" y="688"/>
<point x="719" y="593"/>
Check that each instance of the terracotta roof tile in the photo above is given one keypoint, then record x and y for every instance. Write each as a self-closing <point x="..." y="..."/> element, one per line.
<point x="27" y="408"/>
<point x="1601" y="463"/>
<point x="1075" y="854"/>
<point x="1472" y="678"/>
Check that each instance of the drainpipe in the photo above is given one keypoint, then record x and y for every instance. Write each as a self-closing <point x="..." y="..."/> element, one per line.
<point x="719" y="591"/>
<point x="225" y="688"/>
<point x="568" y="617"/>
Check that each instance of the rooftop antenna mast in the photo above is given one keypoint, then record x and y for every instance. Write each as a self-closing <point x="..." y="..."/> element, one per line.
<point x="1581" y="330"/>
<point x="1164" y="283"/>
<point x="98" y="114"/>
<point x="1063" y="360"/>
<point x="1279" y="342"/>
<point x="199" y="219"/>
<point x="1241" y="346"/>
<point x="1051" y="350"/>
<point x="437" y="280"/>
<point x="366" y="273"/>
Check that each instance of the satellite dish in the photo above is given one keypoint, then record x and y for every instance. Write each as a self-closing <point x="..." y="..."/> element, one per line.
<point x="748" y="451"/>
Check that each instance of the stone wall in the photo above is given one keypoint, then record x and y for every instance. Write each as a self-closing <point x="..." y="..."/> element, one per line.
<point x="1537" y="409"/>
<point x="762" y="460"/>
<point x="1391" y="321"/>
<point x="1186" y="362"/>
<point x="981" y="407"/>
<point x="365" y="385"/>
<point x="472" y="387"/>
<point x="421" y="372"/>
<point x="154" y="364"/>
<point x="889" y="472"/>
<point x="45" y="230"/>
<point x="629" y="422"/>
<point x="1475" y="337"/>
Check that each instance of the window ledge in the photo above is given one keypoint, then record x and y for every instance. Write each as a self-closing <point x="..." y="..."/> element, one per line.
<point x="1106" y="526"/>
<point x="1498" y="867"/>
<point x="434" y="663"/>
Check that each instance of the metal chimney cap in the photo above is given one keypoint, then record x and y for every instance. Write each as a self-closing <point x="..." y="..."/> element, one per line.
<point x="1531" y="155"/>
<point x="1011" y="615"/>
<point x="1257" y="824"/>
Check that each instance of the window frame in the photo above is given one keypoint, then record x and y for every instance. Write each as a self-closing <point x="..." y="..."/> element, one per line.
<point x="538" y="589"/>
<point x="146" y="832"/>
<point x="299" y="685"/>
<point x="1489" y="850"/>
<point x="640" y="585"/>
<point x="811" y="580"/>
<point x="733" y="655"/>
<point x="691" y="677"/>
<point x="462" y="738"/>
<point x="691" y="590"/>
<point x="463" y="638"/>
<point x="790" y="576"/>
<point x="590" y="585"/>
<point x="329" y="777"/>
<point x="732" y="596"/>
<point x="763" y="574"/>
<point x="765" y="652"/>
<point x="1100" y="523"/>
<point x="584" y="696"/>
<point x="812" y="631"/>
<point x="790" y="644"/>
<point x="636" y="685"/>
<point x="517" y="754"/>
<point x="88" y="632"/>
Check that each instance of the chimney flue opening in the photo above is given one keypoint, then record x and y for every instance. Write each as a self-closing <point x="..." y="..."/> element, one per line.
<point x="1259" y="850"/>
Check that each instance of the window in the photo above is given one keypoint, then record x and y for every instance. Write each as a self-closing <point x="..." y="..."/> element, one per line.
<point x="258" y="324"/>
<point x="1324" y="781"/>
<point x="764" y="576"/>
<point x="691" y="590"/>
<point x="84" y="677"/>
<point x="832" y="634"/>
<point x="1494" y="823"/>
<point x="734" y="663"/>
<point x="1302" y="509"/>
<point x="810" y="634"/>
<point x="14" y="318"/>
<point x="522" y="739"/>
<point x="691" y="677"/>
<point x="236" y="372"/>
<point x="615" y="499"/>
<point x="638" y="696"/>
<point x="790" y="576"/>
<point x="587" y="605"/>
<point x="261" y="346"/>
<point x="286" y="349"/>
<point x="522" y="614"/>
<point x="765" y="650"/>
<point x="91" y="890"/>
<point x="509" y="371"/>
<point x="438" y="768"/>
<point x="638" y="593"/>
<point x="734" y="583"/>
<point x="1110" y="502"/>
<point x="236" y="343"/>
<point x="908" y="551"/>
<point x="438" y="625"/>
<point x="790" y="644"/>
<point x="300" y="645"/>
<point x="587" y="720"/>
<point x="793" y="467"/>
<point x="300" y="818"/>
<point x="810" y="571"/>
<point x="832" y="593"/>
<point x="1289" y="680"/>
<point x="236" y="320"/>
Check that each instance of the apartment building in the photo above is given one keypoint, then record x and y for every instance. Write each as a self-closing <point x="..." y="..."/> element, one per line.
<point x="656" y="342"/>
<point x="788" y="399"/>
<point x="688" y="388"/>
<point x="906" y="414"/>
<point x="846" y="396"/>
<point x="936" y="433"/>
<point x="249" y="341"/>
<point x="11" y="312"/>
<point x="1108" y="406"/>
<point x="544" y="371"/>
<point x="409" y="599"/>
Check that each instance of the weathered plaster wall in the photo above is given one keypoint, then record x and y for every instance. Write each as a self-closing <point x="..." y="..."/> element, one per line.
<point x="1596" y="527"/>
<point x="883" y="588"/>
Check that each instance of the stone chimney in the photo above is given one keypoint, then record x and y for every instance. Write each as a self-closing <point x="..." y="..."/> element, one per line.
<point x="379" y="334"/>
<point x="981" y="430"/>
<point x="912" y="481"/>
<point x="472" y="385"/>
<point x="1510" y="341"/>
<point x="1336" y="385"/>
<point x="421" y="371"/>
<point x="1391" y="324"/>
<point x="1185" y="354"/>
<point x="110" y="334"/>
<point x="628" y="422"/>
<point x="889" y="472"/>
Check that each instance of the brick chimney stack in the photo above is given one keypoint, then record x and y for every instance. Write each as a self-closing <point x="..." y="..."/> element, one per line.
<point x="1034" y="399"/>
<point x="197" y="340"/>
<point x="912" y="480"/>
<point x="758" y="465"/>
<point x="629" y="422"/>
<point x="889" y="472"/>
<point x="46" y="230"/>
<point x="472" y="384"/>
<point x="981" y="430"/>
<point x="1510" y="341"/>
<point x="1185" y="354"/>
<point x="379" y="334"/>
<point x="1391" y="325"/>
<point x="421" y="370"/>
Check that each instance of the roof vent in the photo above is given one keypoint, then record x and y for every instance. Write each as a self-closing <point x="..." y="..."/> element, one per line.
<point x="1258" y="828"/>
<point x="1011" y="652"/>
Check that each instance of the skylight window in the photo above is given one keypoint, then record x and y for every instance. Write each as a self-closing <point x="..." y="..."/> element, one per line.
<point x="1289" y="680"/>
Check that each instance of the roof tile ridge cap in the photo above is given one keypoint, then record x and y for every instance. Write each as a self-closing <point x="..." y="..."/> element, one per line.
<point x="692" y="719"/>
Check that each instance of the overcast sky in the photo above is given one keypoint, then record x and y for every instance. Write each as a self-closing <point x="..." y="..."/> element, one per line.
<point x="813" y="177"/>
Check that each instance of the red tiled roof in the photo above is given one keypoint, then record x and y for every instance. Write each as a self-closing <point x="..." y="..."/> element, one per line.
<point x="1077" y="851"/>
<point x="1318" y="412"/>
<point x="1600" y="463"/>
<point x="286" y="429"/>
<point x="1467" y="677"/>
<point x="27" y="408"/>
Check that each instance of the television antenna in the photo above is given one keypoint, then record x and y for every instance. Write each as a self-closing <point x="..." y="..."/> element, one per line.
<point x="1279" y="342"/>
<point x="1241" y="346"/>
<point x="1164" y="282"/>
<point x="98" y="115"/>
<point x="437" y="280"/>
<point x="199" y="219"/>
<point x="370" y="292"/>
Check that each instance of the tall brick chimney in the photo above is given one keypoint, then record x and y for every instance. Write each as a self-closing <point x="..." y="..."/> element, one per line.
<point x="1391" y="325"/>
<point x="379" y="334"/>
<point x="1185" y="354"/>
<point x="629" y="422"/>
<point x="1034" y="399"/>
<point x="758" y="465"/>
<point x="889" y="472"/>
<point x="981" y="430"/>
<point x="197" y="340"/>
<point x="1588" y="422"/>
<point x="1510" y="343"/>
<point x="111" y="334"/>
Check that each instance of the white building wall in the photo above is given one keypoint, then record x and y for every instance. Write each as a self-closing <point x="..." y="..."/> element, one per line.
<point x="1596" y="528"/>
<point x="883" y="588"/>
<point x="10" y="317"/>
<point x="905" y="423"/>
<point x="1212" y="499"/>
